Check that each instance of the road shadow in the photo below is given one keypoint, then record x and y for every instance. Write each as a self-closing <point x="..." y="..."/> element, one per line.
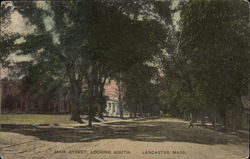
<point x="148" y="131"/>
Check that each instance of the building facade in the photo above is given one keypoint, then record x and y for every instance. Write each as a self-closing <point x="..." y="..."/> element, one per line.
<point x="112" y="104"/>
<point x="14" y="99"/>
<point x="112" y="107"/>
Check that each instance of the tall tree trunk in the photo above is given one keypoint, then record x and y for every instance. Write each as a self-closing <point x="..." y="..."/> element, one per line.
<point x="140" y="110"/>
<point x="27" y="103"/>
<point x="120" y="98"/>
<point x="91" y="103"/>
<point x="193" y="116"/>
<point x="1" y="95"/>
<point x="120" y="106"/>
<point x="75" y="108"/>
<point x="92" y="94"/>
<point x="234" y="113"/>
<point x="239" y="112"/>
<point x="225" y="118"/>
<point x="202" y="118"/>
<point x="76" y="88"/>
<point x="130" y="115"/>
<point x="214" y="117"/>
<point x="135" y="111"/>
<point x="101" y="101"/>
<point x="100" y="111"/>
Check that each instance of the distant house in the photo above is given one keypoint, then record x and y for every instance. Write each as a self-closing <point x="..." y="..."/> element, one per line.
<point x="16" y="100"/>
<point x="112" y="104"/>
<point x="13" y="98"/>
<point x="112" y="107"/>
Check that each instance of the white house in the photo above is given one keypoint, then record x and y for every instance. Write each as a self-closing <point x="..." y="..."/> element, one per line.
<point x="112" y="107"/>
<point x="112" y="104"/>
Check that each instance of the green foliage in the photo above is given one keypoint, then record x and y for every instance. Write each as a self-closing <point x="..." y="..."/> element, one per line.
<point x="216" y="41"/>
<point x="96" y="40"/>
<point x="7" y="38"/>
<point x="210" y="66"/>
<point x="141" y="95"/>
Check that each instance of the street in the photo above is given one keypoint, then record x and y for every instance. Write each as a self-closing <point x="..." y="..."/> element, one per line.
<point x="123" y="139"/>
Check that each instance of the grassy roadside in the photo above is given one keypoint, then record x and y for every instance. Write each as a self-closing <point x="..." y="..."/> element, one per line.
<point x="35" y="119"/>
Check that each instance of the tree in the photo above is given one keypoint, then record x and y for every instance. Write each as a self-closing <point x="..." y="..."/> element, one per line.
<point x="141" y="95"/>
<point x="215" y="43"/>
<point x="7" y="36"/>
<point x="86" y="47"/>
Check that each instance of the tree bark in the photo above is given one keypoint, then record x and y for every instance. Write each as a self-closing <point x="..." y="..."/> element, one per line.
<point x="102" y="102"/>
<point x="27" y="103"/>
<point x="76" y="88"/>
<point x="130" y="115"/>
<point x="91" y="103"/>
<point x="202" y="119"/>
<point x="213" y="117"/>
<point x="75" y="108"/>
<point x="92" y="83"/>
<point x="100" y="111"/>
<point x="120" y="98"/>
<point x="225" y="118"/>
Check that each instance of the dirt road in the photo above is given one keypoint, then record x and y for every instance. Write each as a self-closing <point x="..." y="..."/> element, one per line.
<point x="120" y="139"/>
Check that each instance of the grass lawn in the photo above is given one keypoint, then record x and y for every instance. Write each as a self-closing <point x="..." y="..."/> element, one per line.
<point x="35" y="119"/>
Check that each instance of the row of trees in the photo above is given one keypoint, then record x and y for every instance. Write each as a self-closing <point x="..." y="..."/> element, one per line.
<point x="90" y="42"/>
<point x="209" y="72"/>
<point x="199" y="67"/>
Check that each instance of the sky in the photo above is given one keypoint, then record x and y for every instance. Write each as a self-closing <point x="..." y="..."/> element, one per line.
<point x="18" y="23"/>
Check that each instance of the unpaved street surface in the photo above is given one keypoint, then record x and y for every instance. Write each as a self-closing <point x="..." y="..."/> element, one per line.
<point x="120" y="139"/>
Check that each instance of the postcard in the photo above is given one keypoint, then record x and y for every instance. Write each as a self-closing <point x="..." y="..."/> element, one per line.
<point x="124" y="79"/>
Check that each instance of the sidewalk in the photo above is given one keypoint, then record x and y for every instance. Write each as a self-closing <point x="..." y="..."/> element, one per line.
<point x="243" y="132"/>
